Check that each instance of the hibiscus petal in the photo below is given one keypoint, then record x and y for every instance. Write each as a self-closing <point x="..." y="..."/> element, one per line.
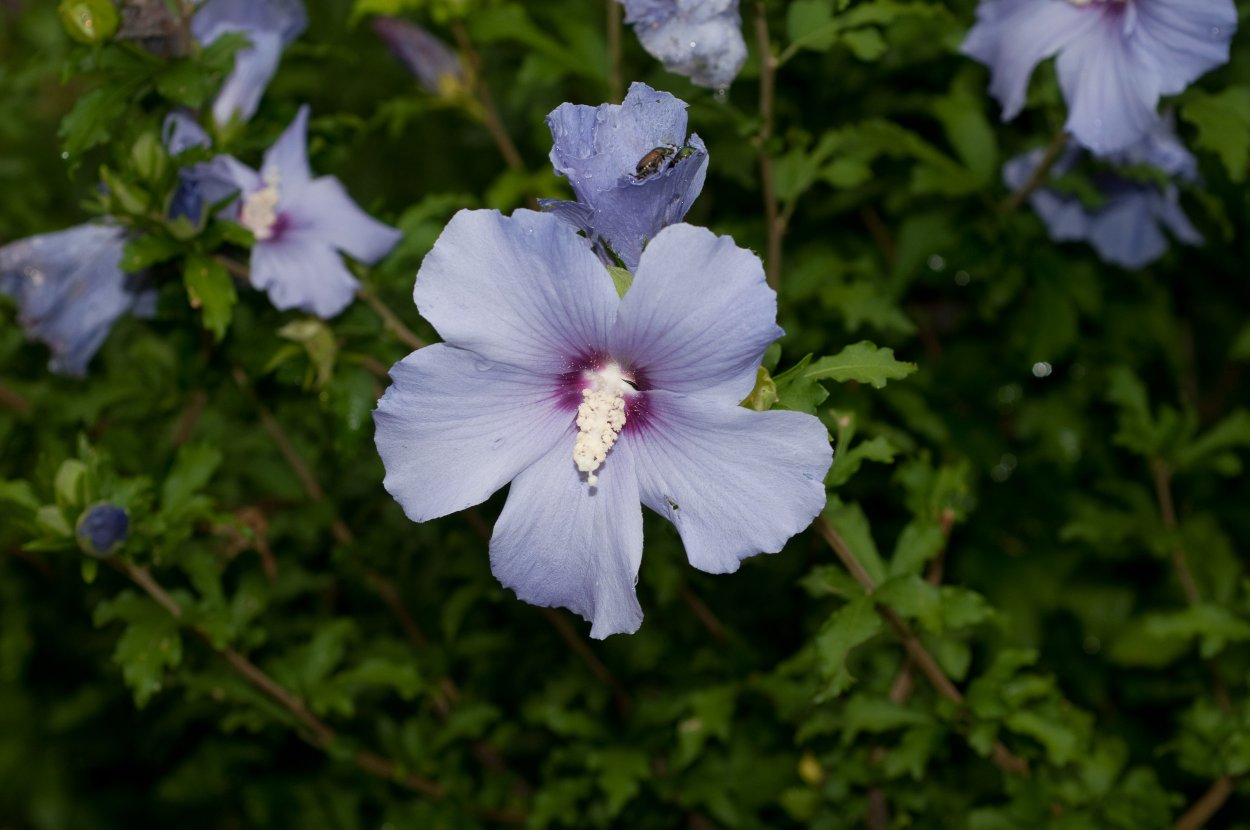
<point x="454" y="428"/>
<point x="1183" y="39"/>
<point x="1012" y="37"/>
<point x="254" y="67"/>
<point x="1111" y="89"/>
<point x="289" y="158"/>
<point x="1126" y="233"/>
<point x="301" y="270"/>
<point x="698" y="315"/>
<point x="734" y="482"/>
<point x="324" y="207"/>
<point x="523" y="290"/>
<point x="561" y="543"/>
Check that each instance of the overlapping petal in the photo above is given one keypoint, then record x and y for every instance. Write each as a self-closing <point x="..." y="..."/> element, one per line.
<point x="734" y="482"/>
<point x="325" y="208"/>
<point x="559" y="543"/>
<point x="523" y="290"/>
<point x="1111" y="88"/>
<point x="698" y="315"/>
<point x="301" y="270"/>
<point x="454" y="427"/>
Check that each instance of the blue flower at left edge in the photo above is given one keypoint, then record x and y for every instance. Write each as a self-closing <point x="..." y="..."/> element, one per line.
<point x="590" y="403"/>
<point x="1126" y="228"/>
<point x="270" y="26"/>
<point x="70" y="290"/>
<point x="300" y="224"/>
<point x="631" y="167"/>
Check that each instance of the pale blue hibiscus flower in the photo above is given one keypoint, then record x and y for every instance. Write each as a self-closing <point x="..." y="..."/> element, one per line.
<point x="1115" y="57"/>
<point x="70" y="290"/>
<point x="1127" y="227"/>
<point x="300" y="225"/>
<point x="700" y="39"/>
<point x="590" y="403"/>
<point x="270" y="26"/>
<point x="631" y="167"/>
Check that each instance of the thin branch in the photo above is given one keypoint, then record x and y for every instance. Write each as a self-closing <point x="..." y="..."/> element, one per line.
<point x="616" y="86"/>
<point x="919" y="655"/>
<point x="12" y="400"/>
<point x="1207" y="805"/>
<point x="1039" y="174"/>
<point x="389" y="319"/>
<point x="1163" y="493"/>
<point x="704" y="614"/>
<point x="490" y="114"/>
<point x="768" y="77"/>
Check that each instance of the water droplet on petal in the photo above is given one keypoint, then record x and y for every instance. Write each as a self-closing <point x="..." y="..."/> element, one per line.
<point x="693" y="44"/>
<point x="482" y="366"/>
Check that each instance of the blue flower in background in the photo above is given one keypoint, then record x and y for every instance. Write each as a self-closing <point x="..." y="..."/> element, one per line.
<point x="436" y="67"/>
<point x="300" y="224"/>
<point x="1116" y="57"/>
<point x="701" y="39"/>
<point x="630" y="166"/>
<point x="180" y="133"/>
<point x="102" y="529"/>
<point x="590" y="403"/>
<point x="1126" y="229"/>
<point x="70" y="290"/>
<point x="270" y="25"/>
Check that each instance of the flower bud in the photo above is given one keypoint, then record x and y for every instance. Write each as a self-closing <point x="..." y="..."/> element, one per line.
<point x="88" y="21"/>
<point x="102" y="530"/>
<point x="436" y="67"/>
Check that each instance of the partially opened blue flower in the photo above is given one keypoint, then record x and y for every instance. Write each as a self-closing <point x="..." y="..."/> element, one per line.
<point x="701" y="39"/>
<point x="270" y="25"/>
<point x="590" y="403"/>
<point x="300" y="224"/>
<point x="1126" y="228"/>
<point x="70" y="290"/>
<point x="631" y="166"/>
<point x="1116" y="57"/>
<point x="436" y="67"/>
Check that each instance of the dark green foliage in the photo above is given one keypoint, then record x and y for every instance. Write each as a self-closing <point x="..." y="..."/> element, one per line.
<point x="1039" y="470"/>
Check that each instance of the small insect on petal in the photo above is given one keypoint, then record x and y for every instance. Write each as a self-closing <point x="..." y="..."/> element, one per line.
<point x="653" y="162"/>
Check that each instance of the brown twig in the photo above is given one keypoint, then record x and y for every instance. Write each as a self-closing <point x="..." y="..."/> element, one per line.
<point x="919" y="655"/>
<point x="389" y="319"/>
<point x="13" y="401"/>
<point x="190" y="417"/>
<point x="704" y="614"/>
<point x="1038" y="177"/>
<point x="768" y="78"/>
<point x="490" y="114"/>
<point x="1162" y="474"/>
<point x="1202" y="810"/>
<point x="616" y="86"/>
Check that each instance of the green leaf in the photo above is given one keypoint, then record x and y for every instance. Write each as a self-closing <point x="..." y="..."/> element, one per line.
<point x="71" y="483"/>
<point x="621" y="771"/>
<point x="1231" y="433"/>
<point x="192" y="470"/>
<point x="851" y="523"/>
<point x="862" y="362"/>
<point x="94" y="117"/>
<point x="764" y="395"/>
<point x="920" y="541"/>
<point x="797" y="391"/>
<point x="145" y="251"/>
<point x="149" y="646"/>
<point x="318" y="342"/>
<point x="1223" y="123"/>
<point x="850" y="626"/>
<point x="621" y="279"/>
<point x="1158" y="639"/>
<point x="210" y="288"/>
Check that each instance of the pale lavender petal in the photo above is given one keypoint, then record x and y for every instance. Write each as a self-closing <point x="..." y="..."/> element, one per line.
<point x="1161" y="147"/>
<point x="325" y="208"/>
<point x="254" y="67"/>
<point x="1168" y="210"/>
<point x="300" y="270"/>
<point x="698" y="316"/>
<point x="1111" y="89"/>
<point x="1125" y="232"/>
<point x="701" y="39"/>
<point x="734" y="482"/>
<point x="523" y="290"/>
<point x="70" y="290"/>
<point x="287" y="18"/>
<point x="181" y="132"/>
<point x="1012" y="37"/>
<point x="453" y="428"/>
<point x="1183" y="39"/>
<point x="288" y="157"/>
<point x="561" y="543"/>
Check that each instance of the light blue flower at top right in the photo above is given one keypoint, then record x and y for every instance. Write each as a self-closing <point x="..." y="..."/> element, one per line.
<point x="1115" y="57"/>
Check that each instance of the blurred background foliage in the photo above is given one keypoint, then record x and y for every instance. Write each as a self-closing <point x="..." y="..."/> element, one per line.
<point x="1053" y="507"/>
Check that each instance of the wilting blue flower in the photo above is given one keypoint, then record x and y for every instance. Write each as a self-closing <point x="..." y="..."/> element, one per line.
<point x="300" y="223"/>
<point x="590" y="403"/>
<point x="1126" y="229"/>
<point x="1116" y="57"/>
<point x="70" y="289"/>
<point x="270" y="25"/>
<point x="701" y="39"/>
<point x="102" y="529"/>
<point x="630" y="166"/>
<point x="436" y="67"/>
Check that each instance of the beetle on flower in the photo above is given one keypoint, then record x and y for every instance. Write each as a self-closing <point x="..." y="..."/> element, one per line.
<point x="1115" y="57"/>
<point x="631" y="167"/>
<point x="590" y="403"/>
<point x="300" y="223"/>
